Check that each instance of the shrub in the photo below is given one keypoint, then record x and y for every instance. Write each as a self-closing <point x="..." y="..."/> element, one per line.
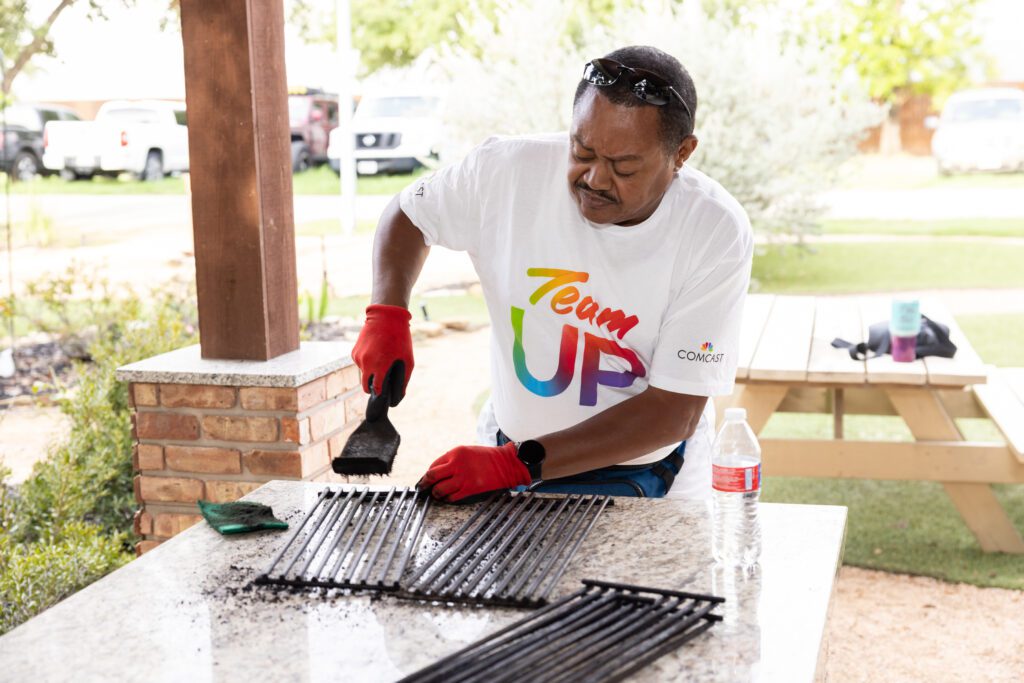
<point x="89" y="477"/>
<point x="34" y="576"/>
<point x="70" y="522"/>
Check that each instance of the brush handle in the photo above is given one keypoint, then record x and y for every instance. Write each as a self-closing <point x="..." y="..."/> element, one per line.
<point x="390" y="395"/>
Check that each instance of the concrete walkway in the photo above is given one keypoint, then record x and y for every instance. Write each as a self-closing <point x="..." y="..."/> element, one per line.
<point x="925" y="203"/>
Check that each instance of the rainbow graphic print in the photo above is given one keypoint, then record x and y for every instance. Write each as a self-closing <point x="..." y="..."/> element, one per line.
<point x="565" y="300"/>
<point x="707" y="347"/>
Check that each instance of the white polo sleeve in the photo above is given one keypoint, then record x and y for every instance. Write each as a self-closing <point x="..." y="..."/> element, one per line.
<point x="447" y="206"/>
<point x="698" y="342"/>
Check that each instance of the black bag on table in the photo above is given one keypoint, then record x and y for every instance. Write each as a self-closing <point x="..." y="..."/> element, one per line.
<point x="932" y="340"/>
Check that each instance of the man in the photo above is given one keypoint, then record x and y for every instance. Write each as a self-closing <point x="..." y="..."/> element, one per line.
<point x="615" y="278"/>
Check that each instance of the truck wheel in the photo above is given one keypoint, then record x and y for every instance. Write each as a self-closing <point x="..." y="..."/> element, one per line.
<point x="25" y="166"/>
<point x="154" y="169"/>
<point x="301" y="158"/>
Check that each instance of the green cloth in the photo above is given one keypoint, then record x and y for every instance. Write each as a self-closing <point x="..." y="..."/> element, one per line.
<point x="240" y="517"/>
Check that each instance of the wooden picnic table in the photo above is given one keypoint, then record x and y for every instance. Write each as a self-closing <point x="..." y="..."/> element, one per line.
<point x="787" y="364"/>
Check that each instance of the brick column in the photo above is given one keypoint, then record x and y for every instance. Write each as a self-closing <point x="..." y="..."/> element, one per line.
<point x="217" y="429"/>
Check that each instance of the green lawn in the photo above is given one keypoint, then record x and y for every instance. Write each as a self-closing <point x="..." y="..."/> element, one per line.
<point x="837" y="268"/>
<point x="999" y="338"/>
<point x="969" y="227"/>
<point x="98" y="186"/>
<point x="909" y="527"/>
<point x="319" y="180"/>
<point x="322" y="180"/>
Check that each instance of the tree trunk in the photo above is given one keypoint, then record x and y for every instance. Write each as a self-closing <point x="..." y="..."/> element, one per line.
<point x="890" y="142"/>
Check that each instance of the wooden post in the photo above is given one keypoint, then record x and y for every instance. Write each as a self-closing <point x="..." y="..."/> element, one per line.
<point x="240" y="172"/>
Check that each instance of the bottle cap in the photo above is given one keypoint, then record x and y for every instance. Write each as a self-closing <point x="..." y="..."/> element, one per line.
<point x="736" y="414"/>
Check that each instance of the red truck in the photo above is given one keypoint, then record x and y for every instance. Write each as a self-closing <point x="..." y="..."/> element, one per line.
<point x="312" y="114"/>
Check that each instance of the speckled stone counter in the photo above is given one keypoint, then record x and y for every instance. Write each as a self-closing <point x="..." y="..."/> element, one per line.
<point x="187" y="611"/>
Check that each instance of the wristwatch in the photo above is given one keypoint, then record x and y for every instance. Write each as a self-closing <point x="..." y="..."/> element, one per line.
<point x="531" y="453"/>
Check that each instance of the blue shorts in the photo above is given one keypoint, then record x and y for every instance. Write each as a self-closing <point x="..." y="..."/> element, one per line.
<point x="652" y="480"/>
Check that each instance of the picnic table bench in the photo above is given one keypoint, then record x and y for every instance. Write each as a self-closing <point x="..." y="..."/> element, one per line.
<point x="787" y="364"/>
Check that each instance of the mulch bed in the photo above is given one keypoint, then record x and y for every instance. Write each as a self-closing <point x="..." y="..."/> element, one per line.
<point x="41" y="369"/>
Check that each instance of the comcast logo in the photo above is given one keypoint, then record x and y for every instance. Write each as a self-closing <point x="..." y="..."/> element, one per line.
<point x="706" y="354"/>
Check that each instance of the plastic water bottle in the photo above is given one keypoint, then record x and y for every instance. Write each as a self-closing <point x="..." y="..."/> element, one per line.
<point x="736" y="484"/>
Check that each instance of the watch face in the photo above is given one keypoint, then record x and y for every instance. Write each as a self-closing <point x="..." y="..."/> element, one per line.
<point x="531" y="452"/>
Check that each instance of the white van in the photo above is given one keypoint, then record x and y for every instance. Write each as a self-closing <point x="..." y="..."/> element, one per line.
<point x="980" y="130"/>
<point x="395" y="132"/>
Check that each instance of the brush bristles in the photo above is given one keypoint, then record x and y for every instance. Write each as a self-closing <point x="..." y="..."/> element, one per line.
<point x="362" y="465"/>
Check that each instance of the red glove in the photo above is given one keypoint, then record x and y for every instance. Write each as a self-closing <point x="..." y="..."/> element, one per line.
<point x="384" y="339"/>
<point x="471" y="470"/>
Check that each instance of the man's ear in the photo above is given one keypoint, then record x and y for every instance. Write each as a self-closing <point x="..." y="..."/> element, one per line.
<point x="686" y="148"/>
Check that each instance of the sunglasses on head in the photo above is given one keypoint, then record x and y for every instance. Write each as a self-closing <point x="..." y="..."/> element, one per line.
<point x="645" y="85"/>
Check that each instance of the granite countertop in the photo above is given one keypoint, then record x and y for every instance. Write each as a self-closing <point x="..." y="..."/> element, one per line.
<point x="187" y="610"/>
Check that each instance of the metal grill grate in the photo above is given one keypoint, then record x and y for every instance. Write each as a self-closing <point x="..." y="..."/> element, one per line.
<point x="511" y="551"/>
<point x="352" y="539"/>
<point x="603" y="632"/>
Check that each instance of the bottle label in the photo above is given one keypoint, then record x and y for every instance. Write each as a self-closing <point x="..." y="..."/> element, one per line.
<point x="736" y="479"/>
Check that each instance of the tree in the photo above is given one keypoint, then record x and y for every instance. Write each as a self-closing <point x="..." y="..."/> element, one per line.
<point x="902" y="48"/>
<point x="774" y="123"/>
<point x="396" y="33"/>
<point x="21" y="39"/>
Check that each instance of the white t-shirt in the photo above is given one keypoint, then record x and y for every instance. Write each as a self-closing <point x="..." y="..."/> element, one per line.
<point x="585" y="315"/>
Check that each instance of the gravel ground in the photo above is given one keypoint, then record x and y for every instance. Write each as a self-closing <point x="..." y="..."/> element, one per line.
<point x="895" y="628"/>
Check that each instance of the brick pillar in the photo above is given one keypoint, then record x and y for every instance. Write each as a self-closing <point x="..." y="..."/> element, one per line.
<point x="218" y="429"/>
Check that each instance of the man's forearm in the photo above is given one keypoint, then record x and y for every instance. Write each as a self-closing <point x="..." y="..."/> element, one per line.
<point x="398" y="256"/>
<point x="637" y="426"/>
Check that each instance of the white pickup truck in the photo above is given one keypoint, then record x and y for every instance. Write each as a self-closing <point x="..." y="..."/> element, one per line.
<point x="146" y="138"/>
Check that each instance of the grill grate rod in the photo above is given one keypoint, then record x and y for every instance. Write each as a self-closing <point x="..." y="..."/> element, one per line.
<point x="341" y="540"/>
<point x="481" y="546"/>
<point x="499" y="557"/>
<point x="597" y="606"/>
<point x="507" y="554"/>
<point x="295" y="534"/>
<point x="429" y="569"/>
<point x="556" y="641"/>
<point x="351" y="534"/>
<point x="348" y="506"/>
<point x="406" y="519"/>
<point x="538" y="556"/>
<point x="631" y="618"/>
<point x="528" y="552"/>
<point x="565" y="541"/>
<point x="372" y="560"/>
<point x="332" y="500"/>
<point x="604" y="632"/>
<point x="367" y="537"/>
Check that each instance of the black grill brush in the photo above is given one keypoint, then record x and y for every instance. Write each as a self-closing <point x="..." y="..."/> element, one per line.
<point x="372" y="447"/>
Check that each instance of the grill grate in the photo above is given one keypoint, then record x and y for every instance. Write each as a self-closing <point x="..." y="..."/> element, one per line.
<point x="603" y="632"/>
<point x="512" y="551"/>
<point x="353" y="540"/>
